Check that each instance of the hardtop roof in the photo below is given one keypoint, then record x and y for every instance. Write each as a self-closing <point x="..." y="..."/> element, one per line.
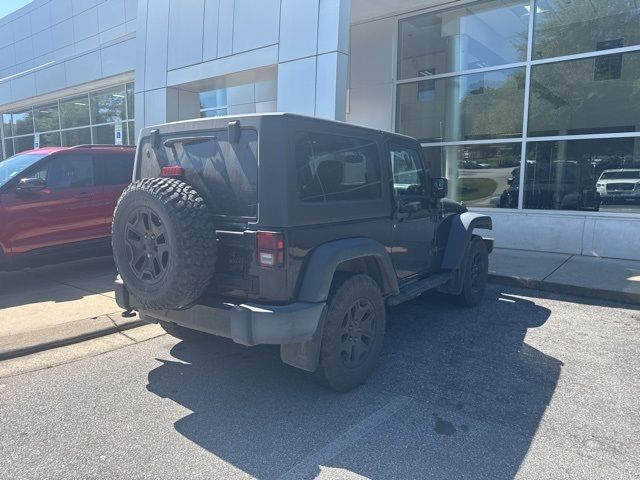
<point x="219" y="122"/>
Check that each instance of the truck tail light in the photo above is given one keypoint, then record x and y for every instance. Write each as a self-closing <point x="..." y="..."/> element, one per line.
<point x="270" y="249"/>
<point x="172" y="172"/>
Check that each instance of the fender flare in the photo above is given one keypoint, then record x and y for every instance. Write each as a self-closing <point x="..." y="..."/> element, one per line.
<point x="316" y="285"/>
<point x="324" y="260"/>
<point x="460" y="232"/>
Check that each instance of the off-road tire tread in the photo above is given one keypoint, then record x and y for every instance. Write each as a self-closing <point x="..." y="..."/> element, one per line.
<point x="196" y="245"/>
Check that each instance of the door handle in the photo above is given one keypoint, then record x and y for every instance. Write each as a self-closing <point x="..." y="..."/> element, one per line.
<point x="82" y="195"/>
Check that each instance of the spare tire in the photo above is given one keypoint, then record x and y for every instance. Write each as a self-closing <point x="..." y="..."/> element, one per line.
<point x="164" y="243"/>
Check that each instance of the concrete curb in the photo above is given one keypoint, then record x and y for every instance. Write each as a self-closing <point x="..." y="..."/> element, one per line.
<point x="66" y="334"/>
<point x="579" y="291"/>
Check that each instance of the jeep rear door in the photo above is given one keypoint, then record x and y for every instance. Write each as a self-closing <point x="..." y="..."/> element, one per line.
<point x="414" y="221"/>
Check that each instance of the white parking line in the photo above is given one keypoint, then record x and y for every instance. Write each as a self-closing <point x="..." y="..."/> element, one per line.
<point x="309" y="465"/>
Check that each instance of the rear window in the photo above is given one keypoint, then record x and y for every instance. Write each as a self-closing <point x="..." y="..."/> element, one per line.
<point x="225" y="174"/>
<point x="336" y="168"/>
<point x="116" y="169"/>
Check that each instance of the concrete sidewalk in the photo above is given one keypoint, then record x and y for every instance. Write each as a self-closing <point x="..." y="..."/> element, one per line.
<point x="590" y="277"/>
<point x="56" y="305"/>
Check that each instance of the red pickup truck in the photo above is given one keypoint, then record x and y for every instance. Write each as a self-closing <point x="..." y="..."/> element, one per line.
<point x="60" y="200"/>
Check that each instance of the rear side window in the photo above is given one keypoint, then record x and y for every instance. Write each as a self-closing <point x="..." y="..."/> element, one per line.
<point x="333" y="168"/>
<point x="115" y="169"/>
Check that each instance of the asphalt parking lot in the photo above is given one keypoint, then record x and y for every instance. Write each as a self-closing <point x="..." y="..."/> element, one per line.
<point x="527" y="385"/>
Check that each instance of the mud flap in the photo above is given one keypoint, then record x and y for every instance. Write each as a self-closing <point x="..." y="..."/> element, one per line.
<point x="305" y="355"/>
<point x="460" y="236"/>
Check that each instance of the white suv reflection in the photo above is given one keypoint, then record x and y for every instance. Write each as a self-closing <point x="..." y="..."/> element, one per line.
<point x="622" y="184"/>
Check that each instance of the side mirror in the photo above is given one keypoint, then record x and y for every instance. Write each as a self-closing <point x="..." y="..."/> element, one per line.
<point x="439" y="187"/>
<point x="31" y="185"/>
<point x="510" y="181"/>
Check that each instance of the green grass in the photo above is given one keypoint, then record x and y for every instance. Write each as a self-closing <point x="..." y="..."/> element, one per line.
<point x="476" y="188"/>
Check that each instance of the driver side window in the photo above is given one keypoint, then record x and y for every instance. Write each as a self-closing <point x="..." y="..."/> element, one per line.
<point x="408" y="174"/>
<point x="72" y="171"/>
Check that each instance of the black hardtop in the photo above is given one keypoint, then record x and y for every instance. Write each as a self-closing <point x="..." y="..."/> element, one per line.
<point x="278" y="202"/>
<point x="258" y="120"/>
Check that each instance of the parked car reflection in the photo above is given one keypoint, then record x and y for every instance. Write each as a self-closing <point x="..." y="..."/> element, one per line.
<point x="619" y="186"/>
<point x="560" y="185"/>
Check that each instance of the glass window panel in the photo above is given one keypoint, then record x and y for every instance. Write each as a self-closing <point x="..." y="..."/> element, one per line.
<point x="117" y="169"/>
<point x="23" y="122"/>
<point x="219" y="112"/>
<point x="50" y="139"/>
<point x="23" y="143"/>
<point x="407" y="169"/>
<point x="74" y="112"/>
<point x="334" y="168"/>
<point x="105" y="134"/>
<point x="108" y="105"/>
<point x="566" y="27"/>
<point x="598" y="174"/>
<point x="8" y="148"/>
<point x="81" y="136"/>
<point x="479" y="175"/>
<point x="479" y="35"/>
<point x="69" y="171"/>
<point x="47" y="117"/>
<point x="6" y="125"/>
<point x="584" y="96"/>
<point x="468" y="107"/>
<point x="213" y="99"/>
<point x="131" y="101"/>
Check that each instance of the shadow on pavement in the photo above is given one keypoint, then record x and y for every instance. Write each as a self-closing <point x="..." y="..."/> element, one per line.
<point x="62" y="282"/>
<point x="478" y="393"/>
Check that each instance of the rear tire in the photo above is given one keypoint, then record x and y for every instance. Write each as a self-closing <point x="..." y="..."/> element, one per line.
<point x="183" y="333"/>
<point x="476" y="273"/>
<point x="353" y="334"/>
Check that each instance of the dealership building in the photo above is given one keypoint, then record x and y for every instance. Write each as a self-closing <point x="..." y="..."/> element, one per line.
<point x="531" y="108"/>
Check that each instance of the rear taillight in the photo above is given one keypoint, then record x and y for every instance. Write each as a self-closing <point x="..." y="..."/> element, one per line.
<point x="172" y="172"/>
<point x="270" y="249"/>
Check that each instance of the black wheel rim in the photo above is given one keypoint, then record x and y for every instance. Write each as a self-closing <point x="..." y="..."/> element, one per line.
<point x="476" y="272"/>
<point x="148" y="250"/>
<point x="357" y="333"/>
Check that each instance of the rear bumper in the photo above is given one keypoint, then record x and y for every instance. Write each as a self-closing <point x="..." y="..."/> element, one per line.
<point x="247" y="324"/>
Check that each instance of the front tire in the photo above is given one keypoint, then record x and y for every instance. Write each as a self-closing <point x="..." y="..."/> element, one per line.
<point x="353" y="334"/>
<point x="476" y="273"/>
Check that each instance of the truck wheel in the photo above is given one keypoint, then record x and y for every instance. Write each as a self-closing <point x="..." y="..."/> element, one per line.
<point x="353" y="334"/>
<point x="164" y="243"/>
<point x="183" y="333"/>
<point x="475" y="273"/>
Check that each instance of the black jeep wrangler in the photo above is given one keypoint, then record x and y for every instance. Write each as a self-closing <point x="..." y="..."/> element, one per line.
<point x="289" y="230"/>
